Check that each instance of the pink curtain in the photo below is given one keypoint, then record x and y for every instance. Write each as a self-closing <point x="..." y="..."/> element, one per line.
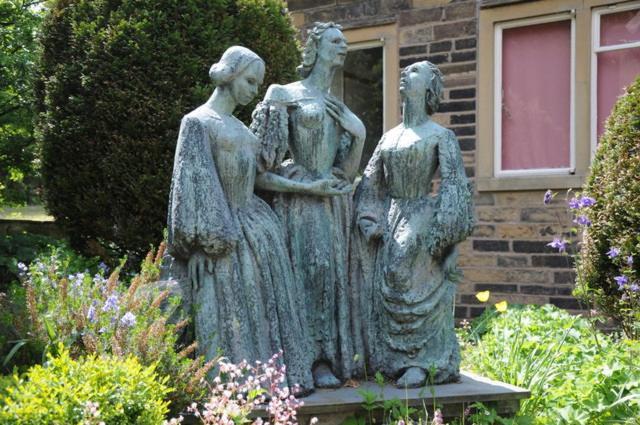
<point x="536" y="108"/>
<point x="617" y="68"/>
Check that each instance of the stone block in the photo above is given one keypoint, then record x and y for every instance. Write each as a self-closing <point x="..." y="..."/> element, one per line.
<point x="416" y="35"/>
<point x="477" y="260"/>
<point x="467" y="144"/>
<point x="454" y="29"/>
<point x="458" y="68"/>
<point x="459" y="11"/>
<point x="537" y="290"/>
<point x="469" y="55"/>
<point x="462" y="119"/>
<point x="422" y="16"/>
<point x="512" y="261"/>
<point x="539" y="215"/>
<point x="564" y="277"/>
<point x="440" y="46"/>
<point x="413" y="50"/>
<point x="469" y="130"/>
<point x="490" y="245"/>
<point x="463" y="94"/>
<point x="466" y="43"/>
<point x="498" y="288"/>
<point x="483" y="199"/>
<point x="497" y="215"/>
<point x="566" y="303"/>
<point x="533" y="247"/>
<point x="458" y="106"/>
<point x="483" y="230"/>
<point x="553" y="261"/>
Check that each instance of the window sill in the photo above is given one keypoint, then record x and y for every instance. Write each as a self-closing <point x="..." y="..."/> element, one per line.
<point x="497" y="184"/>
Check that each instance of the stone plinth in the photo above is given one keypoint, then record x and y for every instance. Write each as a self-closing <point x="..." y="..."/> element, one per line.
<point x="332" y="407"/>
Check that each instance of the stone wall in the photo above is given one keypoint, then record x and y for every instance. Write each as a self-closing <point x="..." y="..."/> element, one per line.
<point x="507" y="253"/>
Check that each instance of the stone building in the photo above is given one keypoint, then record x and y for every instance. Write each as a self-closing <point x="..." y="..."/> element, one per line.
<point x="556" y="66"/>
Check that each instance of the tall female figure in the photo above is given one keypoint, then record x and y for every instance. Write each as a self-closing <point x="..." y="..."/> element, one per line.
<point x="406" y="249"/>
<point x="325" y="140"/>
<point x="227" y="241"/>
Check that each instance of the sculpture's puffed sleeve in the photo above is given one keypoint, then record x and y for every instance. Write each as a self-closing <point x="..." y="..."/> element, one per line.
<point x="371" y="197"/>
<point x="454" y="218"/>
<point x="270" y="124"/>
<point x="199" y="216"/>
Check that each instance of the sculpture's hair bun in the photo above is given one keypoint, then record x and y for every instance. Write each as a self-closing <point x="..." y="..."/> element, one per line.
<point x="233" y="61"/>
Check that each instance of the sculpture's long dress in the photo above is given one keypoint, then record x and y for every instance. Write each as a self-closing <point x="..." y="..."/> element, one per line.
<point x="405" y="279"/>
<point x="317" y="228"/>
<point x="248" y="305"/>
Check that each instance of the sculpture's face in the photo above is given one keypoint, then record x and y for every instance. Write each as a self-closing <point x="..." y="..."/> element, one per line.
<point x="332" y="48"/>
<point x="245" y="86"/>
<point x="415" y="79"/>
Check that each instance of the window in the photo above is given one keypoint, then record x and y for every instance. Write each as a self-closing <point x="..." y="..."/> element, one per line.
<point x="549" y="74"/>
<point x="615" y="60"/>
<point x="360" y="86"/>
<point x="369" y="81"/>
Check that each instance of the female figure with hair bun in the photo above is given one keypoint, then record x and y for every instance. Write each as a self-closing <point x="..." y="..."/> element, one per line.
<point x="405" y="243"/>
<point x="228" y="243"/>
<point x="325" y="140"/>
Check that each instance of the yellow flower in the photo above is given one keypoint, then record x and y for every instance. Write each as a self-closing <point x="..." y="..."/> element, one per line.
<point x="501" y="306"/>
<point x="483" y="296"/>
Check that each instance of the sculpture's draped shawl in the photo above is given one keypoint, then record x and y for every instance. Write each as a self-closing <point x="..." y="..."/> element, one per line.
<point x="271" y="126"/>
<point x="199" y="216"/>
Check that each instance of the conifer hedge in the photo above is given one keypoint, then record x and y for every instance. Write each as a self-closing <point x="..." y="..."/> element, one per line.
<point x="609" y="262"/>
<point x="115" y="78"/>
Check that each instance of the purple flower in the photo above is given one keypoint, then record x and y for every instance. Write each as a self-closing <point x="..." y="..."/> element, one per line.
<point x="103" y="267"/>
<point x="102" y="330"/>
<point x="574" y="203"/>
<point x="77" y="280"/>
<point x="91" y="314"/>
<point x="630" y="260"/>
<point x="111" y="303"/>
<point x="582" y="220"/>
<point x="613" y="252"/>
<point x="621" y="281"/>
<point x="586" y="201"/>
<point x="128" y="320"/>
<point x="559" y="244"/>
<point x="548" y="196"/>
<point x="634" y="287"/>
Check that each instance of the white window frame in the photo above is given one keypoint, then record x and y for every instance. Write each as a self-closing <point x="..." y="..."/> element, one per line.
<point x="595" y="49"/>
<point x="497" y="113"/>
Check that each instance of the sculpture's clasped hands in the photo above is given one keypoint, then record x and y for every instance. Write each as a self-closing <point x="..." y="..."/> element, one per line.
<point x="329" y="187"/>
<point x="347" y="119"/>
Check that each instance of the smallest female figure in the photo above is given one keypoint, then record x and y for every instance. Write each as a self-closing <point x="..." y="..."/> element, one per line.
<point x="405" y="264"/>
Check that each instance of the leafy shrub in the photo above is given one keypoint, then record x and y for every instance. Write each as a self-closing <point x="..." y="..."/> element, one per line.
<point x="115" y="80"/>
<point x="576" y="374"/>
<point x="96" y="389"/>
<point x="17" y="347"/>
<point x="18" y="52"/>
<point x="608" y="277"/>
<point x="92" y="314"/>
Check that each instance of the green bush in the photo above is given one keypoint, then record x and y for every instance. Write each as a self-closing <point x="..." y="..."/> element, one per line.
<point x="115" y="80"/>
<point x="576" y="374"/>
<point x="88" y="391"/>
<point x="93" y="313"/>
<point x="19" y="180"/>
<point x="608" y="281"/>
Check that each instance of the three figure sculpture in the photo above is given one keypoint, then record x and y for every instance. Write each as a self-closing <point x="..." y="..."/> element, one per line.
<point x="318" y="274"/>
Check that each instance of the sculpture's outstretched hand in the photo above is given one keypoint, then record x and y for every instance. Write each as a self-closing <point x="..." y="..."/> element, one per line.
<point x="347" y="119"/>
<point x="199" y="262"/>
